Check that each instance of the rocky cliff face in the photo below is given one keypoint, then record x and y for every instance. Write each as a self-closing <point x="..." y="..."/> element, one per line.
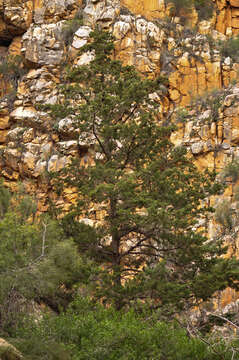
<point x="48" y="33"/>
<point x="32" y="144"/>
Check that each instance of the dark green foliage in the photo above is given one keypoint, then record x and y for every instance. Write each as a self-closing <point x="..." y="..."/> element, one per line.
<point x="88" y="331"/>
<point x="212" y="100"/>
<point x="204" y="9"/>
<point x="182" y="115"/>
<point x="224" y="215"/>
<point x="230" y="48"/>
<point x="5" y="197"/>
<point x="70" y="27"/>
<point x="227" y="214"/>
<point x="37" y="263"/>
<point x="148" y="192"/>
<point x="24" y="204"/>
<point x="152" y="256"/>
<point x="231" y="171"/>
<point x="11" y="71"/>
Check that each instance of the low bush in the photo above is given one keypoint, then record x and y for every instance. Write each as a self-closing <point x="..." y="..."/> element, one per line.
<point x="230" y="48"/>
<point x="71" y="26"/>
<point x="88" y="331"/>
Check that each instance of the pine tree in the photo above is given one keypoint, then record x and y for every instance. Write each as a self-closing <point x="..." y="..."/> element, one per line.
<point x="149" y="192"/>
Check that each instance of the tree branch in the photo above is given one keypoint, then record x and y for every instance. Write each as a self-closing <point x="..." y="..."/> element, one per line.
<point x="225" y="319"/>
<point x="98" y="139"/>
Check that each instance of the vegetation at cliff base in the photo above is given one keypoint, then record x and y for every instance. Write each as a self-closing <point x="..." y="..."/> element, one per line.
<point x="89" y="331"/>
<point x="37" y="263"/>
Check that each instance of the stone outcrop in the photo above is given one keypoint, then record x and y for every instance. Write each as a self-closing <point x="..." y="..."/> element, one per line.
<point x="8" y="351"/>
<point x="209" y="128"/>
<point x="227" y="17"/>
<point x="224" y="20"/>
<point x="43" y="44"/>
<point x="15" y="17"/>
<point x="51" y="11"/>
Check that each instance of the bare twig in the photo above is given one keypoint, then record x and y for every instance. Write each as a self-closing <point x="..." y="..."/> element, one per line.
<point x="43" y="239"/>
<point x="225" y="319"/>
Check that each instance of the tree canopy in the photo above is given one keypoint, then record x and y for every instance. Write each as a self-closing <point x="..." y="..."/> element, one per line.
<point x="149" y="195"/>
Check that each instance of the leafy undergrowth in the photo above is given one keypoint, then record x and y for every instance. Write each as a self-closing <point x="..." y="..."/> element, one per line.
<point x="88" y="331"/>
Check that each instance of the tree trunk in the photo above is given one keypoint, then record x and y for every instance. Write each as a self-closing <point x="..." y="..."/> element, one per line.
<point x="116" y="261"/>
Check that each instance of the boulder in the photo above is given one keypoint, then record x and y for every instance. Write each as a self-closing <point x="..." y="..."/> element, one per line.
<point x="43" y="44"/>
<point x="52" y="11"/>
<point x="8" y="351"/>
<point x="15" y="18"/>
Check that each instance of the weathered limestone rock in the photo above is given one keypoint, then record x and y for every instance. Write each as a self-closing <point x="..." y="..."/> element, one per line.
<point x="234" y="3"/>
<point x="211" y="132"/>
<point x="80" y="39"/>
<point x="56" y="163"/>
<point x="4" y="117"/>
<point x="4" y="122"/>
<point x="15" y="46"/>
<point x="18" y="13"/>
<point x="103" y="12"/>
<point x="44" y="45"/>
<point x="197" y="148"/>
<point x="69" y="147"/>
<point x="138" y="43"/>
<point x="39" y="169"/>
<point x="227" y="17"/>
<point x="8" y="351"/>
<point x="15" y="17"/>
<point x="204" y="27"/>
<point x="23" y="114"/>
<point x="66" y="127"/>
<point x="28" y="163"/>
<point x="12" y="158"/>
<point x="52" y="11"/>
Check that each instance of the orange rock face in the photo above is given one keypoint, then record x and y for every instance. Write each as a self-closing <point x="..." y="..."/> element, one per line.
<point x="151" y="9"/>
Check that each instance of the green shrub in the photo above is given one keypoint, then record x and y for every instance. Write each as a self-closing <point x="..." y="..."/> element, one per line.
<point x="232" y="171"/>
<point x="204" y="9"/>
<point x="224" y="215"/>
<point x="182" y="115"/>
<point x="71" y="26"/>
<point x="11" y="69"/>
<point x="212" y="100"/>
<point x="181" y="5"/>
<point x="230" y="48"/>
<point x="37" y="262"/>
<point x="88" y="331"/>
